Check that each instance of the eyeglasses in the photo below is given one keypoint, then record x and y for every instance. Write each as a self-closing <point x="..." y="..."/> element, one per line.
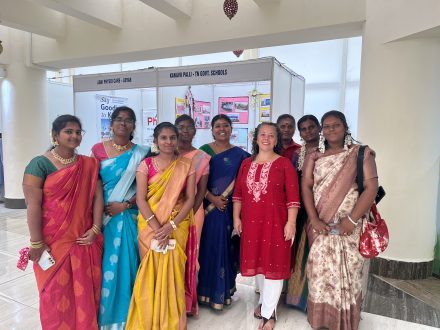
<point x="186" y="128"/>
<point x="72" y="132"/>
<point x="126" y="121"/>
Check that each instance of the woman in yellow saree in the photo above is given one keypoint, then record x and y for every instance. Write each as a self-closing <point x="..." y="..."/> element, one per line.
<point x="165" y="205"/>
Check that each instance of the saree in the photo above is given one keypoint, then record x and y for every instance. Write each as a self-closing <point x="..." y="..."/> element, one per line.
<point x="158" y="300"/>
<point x="297" y="288"/>
<point x="200" y="162"/>
<point x="120" y="260"/>
<point x="70" y="290"/>
<point x="219" y="254"/>
<point x="334" y="267"/>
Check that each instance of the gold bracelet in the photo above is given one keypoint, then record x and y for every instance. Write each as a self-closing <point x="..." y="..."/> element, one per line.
<point x="37" y="245"/>
<point x="96" y="229"/>
<point x="173" y="225"/>
<point x="150" y="217"/>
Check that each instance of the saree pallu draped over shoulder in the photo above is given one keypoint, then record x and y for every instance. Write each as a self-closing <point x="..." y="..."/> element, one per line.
<point x="219" y="253"/>
<point x="70" y="290"/>
<point x="334" y="267"/>
<point x="120" y="260"/>
<point x="158" y="300"/>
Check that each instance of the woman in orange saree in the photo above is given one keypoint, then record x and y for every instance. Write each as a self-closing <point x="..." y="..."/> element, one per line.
<point x="64" y="217"/>
<point x="165" y="197"/>
<point x="200" y="161"/>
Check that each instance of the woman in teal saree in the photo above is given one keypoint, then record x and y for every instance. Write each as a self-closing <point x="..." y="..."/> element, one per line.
<point x="119" y="159"/>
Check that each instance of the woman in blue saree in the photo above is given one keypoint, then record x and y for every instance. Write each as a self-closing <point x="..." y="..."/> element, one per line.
<point x="218" y="255"/>
<point x="119" y="159"/>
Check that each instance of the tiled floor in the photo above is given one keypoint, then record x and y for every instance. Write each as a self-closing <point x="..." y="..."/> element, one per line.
<point x="19" y="295"/>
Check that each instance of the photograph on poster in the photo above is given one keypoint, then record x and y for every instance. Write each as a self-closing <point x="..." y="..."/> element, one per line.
<point x="265" y="108"/>
<point x="181" y="108"/>
<point x="236" y="108"/>
<point x="202" y="114"/>
<point x="239" y="138"/>
<point x="104" y="108"/>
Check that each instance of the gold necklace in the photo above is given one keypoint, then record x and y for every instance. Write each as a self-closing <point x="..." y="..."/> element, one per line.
<point x="64" y="161"/>
<point x="119" y="147"/>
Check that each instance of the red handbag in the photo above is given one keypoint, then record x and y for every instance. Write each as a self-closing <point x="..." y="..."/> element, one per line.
<point x="375" y="236"/>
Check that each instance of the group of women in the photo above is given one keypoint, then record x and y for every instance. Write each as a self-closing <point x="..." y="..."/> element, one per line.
<point x="140" y="237"/>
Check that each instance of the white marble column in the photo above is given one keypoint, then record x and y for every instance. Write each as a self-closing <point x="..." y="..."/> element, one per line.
<point x="24" y="117"/>
<point x="399" y="117"/>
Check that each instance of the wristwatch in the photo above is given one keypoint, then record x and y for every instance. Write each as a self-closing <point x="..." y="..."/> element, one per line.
<point x="128" y="204"/>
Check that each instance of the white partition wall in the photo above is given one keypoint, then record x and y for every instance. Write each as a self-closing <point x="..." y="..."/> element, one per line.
<point x="247" y="91"/>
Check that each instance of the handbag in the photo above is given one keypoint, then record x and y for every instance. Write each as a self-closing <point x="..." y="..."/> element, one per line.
<point x="375" y="237"/>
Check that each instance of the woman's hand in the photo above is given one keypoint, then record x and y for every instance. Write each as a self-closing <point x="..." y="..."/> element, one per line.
<point x="319" y="226"/>
<point x="346" y="227"/>
<point x="237" y="226"/>
<point x="163" y="243"/>
<point x="289" y="231"/>
<point x="35" y="254"/>
<point x="220" y="202"/>
<point x="87" y="239"/>
<point x="163" y="232"/>
<point x="114" y="208"/>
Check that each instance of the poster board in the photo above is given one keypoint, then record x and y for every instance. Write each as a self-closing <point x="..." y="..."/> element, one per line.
<point x="236" y="108"/>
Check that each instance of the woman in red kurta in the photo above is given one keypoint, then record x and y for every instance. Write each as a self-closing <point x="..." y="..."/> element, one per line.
<point x="266" y="202"/>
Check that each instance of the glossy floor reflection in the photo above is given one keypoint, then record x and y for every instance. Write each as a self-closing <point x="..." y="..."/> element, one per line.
<point x="19" y="295"/>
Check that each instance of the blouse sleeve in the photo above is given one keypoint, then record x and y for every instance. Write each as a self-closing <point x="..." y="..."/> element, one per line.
<point x="369" y="166"/>
<point x="37" y="167"/>
<point x="292" y="187"/>
<point x="98" y="151"/>
<point x="143" y="168"/>
<point x="237" y="196"/>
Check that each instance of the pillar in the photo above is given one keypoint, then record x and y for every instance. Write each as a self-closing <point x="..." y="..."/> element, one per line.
<point x="24" y="117"/>
<point x="399" y="118"/>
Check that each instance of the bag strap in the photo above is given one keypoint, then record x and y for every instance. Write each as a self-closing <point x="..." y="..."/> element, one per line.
<point x="360" y="169"/>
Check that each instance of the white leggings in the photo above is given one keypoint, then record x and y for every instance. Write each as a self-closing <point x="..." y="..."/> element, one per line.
<point x="270" y="292"/>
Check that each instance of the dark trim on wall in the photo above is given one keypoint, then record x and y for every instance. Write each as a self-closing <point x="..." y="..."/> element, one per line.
<point x="401" y="270"/>
<point x="12" y="203"/>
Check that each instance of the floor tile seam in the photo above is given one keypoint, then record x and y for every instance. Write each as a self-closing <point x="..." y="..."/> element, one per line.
<point x="11" y="299"/>
<point x="406" y="292"/>
<point x="14" y="279"/>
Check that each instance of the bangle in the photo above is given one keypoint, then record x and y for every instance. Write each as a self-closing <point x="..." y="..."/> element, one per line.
<point x="37" y="245"/>
<point x="173" y="225"/>
<point x="150" y="217"/>
<point x="352" y="221"/>
<point x="96" y="229"/>
<point x="128" y="205"/>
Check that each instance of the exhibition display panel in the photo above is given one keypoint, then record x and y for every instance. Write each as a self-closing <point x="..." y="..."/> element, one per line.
<point x="248" y="92"/>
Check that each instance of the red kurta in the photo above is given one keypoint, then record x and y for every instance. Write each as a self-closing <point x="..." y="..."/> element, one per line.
<point x="266" y="191"/>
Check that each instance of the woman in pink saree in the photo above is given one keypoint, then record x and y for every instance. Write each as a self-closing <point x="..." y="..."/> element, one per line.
<point x="64" y="216"/>
<point x="200" y="161"/>
<point x="335" y="214"/>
